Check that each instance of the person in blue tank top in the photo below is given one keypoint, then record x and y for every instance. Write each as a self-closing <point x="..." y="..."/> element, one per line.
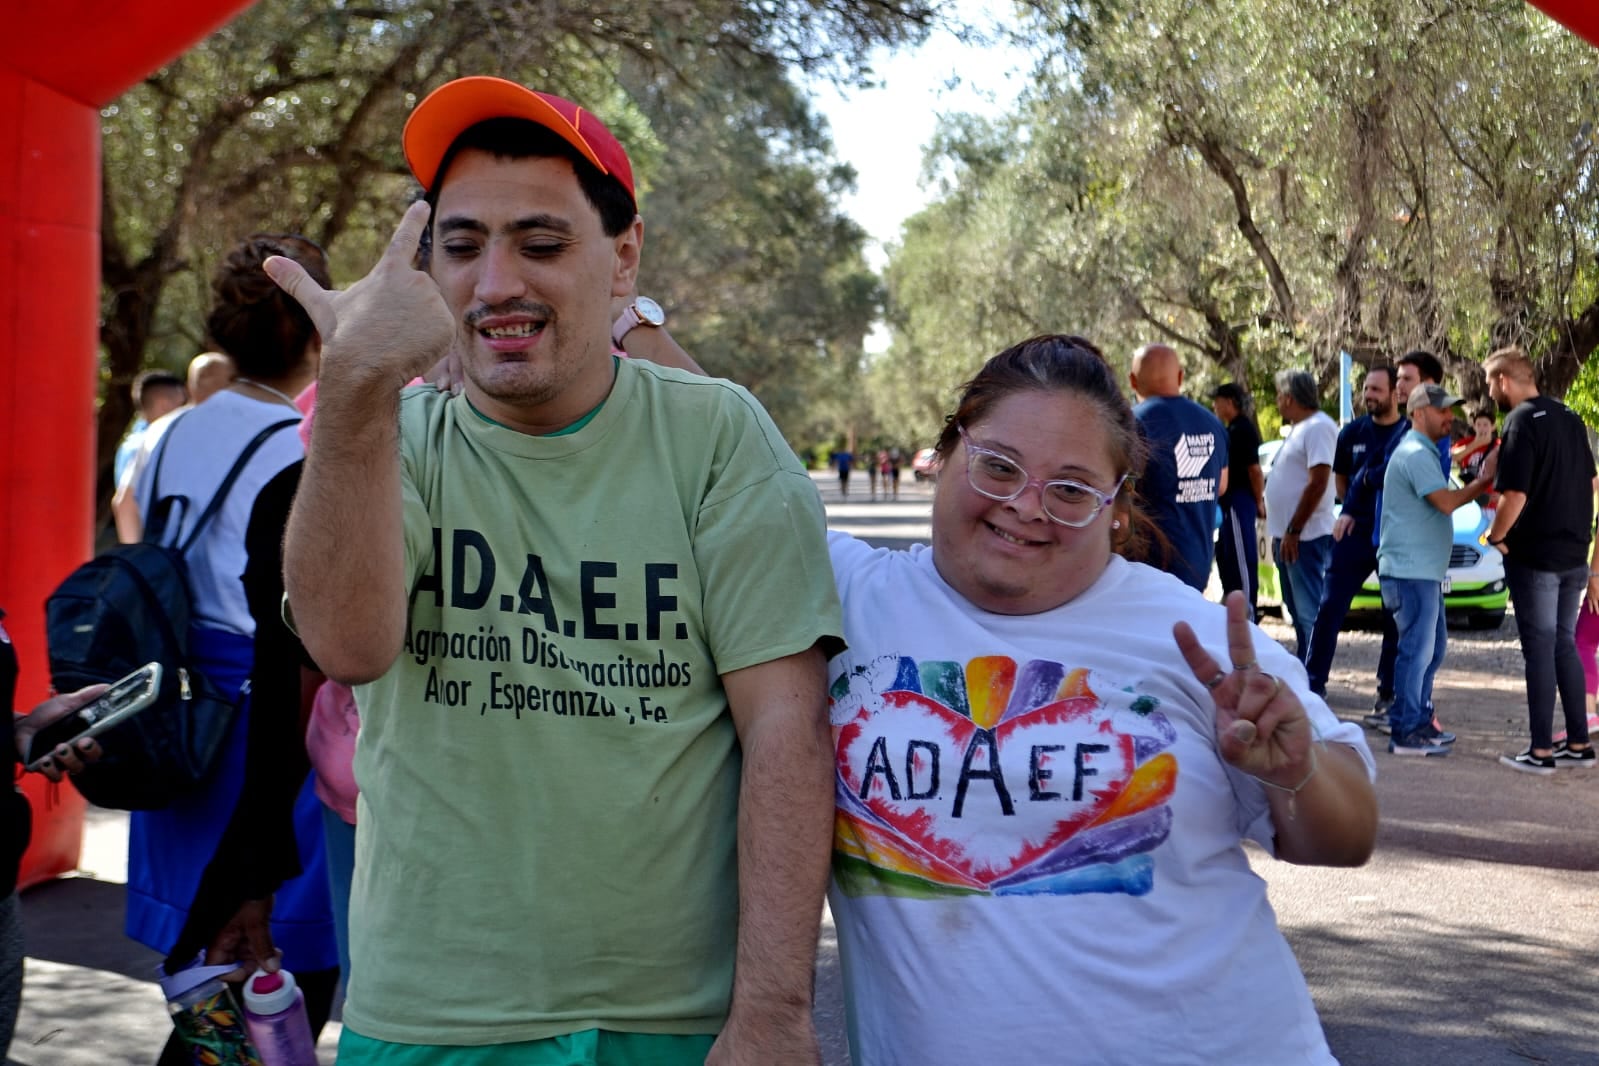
<point x="1187" y="471"/>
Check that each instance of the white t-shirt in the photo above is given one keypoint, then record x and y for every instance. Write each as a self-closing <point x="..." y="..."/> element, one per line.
<point x="1310" y="443"/>
<point x="1038" y="851"/>
<point x="203" y="444"/>
<point x="149" y="437"/>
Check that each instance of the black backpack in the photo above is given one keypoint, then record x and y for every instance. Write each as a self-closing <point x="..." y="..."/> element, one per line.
<point x="130" y="606"/>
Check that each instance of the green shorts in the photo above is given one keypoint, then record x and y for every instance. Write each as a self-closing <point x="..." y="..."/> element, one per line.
<point x="592" y="1047"/>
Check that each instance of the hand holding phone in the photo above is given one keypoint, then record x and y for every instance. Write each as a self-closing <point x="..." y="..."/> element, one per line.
<point x="71" y="721"/>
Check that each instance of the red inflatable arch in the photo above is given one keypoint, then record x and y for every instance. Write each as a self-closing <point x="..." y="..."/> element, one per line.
<point x="60" y="62"/>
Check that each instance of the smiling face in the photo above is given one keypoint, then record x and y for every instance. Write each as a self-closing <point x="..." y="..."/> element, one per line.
<point x="523" y="262"/>
<point x="1009" y="557"/>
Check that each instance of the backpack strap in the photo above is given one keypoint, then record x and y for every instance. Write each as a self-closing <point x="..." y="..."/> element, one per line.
<point x="221" y="495"/>
<point x="161" y="509"/>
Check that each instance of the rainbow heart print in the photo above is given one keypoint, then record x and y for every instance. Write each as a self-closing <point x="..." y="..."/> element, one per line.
<point x="989" y="778"/>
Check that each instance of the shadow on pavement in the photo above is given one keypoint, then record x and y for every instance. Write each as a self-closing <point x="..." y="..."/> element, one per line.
<point x="1475" y="996"/>
<point x="84" y="919"/>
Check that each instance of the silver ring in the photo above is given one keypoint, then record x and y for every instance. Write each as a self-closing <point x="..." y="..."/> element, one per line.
<point x="1277" y="686"/>
<point x="1215" y="682"/>
<point x="1250" y="665"/>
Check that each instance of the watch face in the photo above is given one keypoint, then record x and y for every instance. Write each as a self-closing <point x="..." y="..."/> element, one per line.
<point x="649" y="312"/>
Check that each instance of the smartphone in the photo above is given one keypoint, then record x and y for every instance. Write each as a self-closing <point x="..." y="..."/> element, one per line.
<point x="121" y="701"/>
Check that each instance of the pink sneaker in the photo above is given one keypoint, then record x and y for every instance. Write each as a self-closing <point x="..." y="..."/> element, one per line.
<point x="1593" y="728"/>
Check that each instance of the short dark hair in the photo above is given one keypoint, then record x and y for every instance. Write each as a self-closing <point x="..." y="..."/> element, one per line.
<point x="517" y="138"/>
<point x="154" y="379"/>
<point x="1231" y="391"/>
<point x="1426" y="364"/>
<point x="1385" y="368"/>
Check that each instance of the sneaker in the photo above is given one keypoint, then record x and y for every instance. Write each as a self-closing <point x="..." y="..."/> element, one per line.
<point x="1528" y="763"/>
<point x="1378" y="720"/>
<point x="1584" y="759"/>
<point x="1381" y="704"/>
<point x="1416" y="744"/>
<point x="1438" y="736"/>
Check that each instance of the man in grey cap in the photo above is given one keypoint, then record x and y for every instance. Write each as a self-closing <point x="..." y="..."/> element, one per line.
<point x="1414" y="540"/>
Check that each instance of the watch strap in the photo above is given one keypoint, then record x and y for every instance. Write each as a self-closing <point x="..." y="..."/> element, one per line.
<point x="625" y="323"/>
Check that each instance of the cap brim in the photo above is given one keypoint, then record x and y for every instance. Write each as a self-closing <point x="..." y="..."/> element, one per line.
<point x="452" y="109"/>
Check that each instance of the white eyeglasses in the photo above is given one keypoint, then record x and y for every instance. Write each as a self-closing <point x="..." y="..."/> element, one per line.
<point x="999" y="477"/>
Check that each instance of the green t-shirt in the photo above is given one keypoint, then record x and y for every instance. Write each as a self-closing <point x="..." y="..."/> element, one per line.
<point x="549" y="772"/>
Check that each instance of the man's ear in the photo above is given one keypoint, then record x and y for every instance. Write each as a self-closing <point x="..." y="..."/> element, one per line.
<point x="629" y="247"/>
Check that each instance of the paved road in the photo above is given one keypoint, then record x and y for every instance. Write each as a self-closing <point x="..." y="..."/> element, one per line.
<point x="1469" y="940"/>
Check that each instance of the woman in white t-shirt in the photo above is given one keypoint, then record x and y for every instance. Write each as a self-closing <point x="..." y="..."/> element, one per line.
<point x="1048" y="758"/>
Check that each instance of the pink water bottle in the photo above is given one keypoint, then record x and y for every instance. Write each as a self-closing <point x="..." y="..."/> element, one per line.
<point x="274" y="1014"/>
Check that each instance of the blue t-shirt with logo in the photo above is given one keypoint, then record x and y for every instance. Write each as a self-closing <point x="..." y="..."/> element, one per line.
<point x="1187" y="453"/>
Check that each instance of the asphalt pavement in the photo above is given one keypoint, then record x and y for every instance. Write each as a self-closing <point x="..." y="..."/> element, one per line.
<point x="1469" y="939"/>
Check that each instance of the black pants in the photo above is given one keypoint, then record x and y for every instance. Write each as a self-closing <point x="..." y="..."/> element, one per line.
<point x="1238" y="552"/>
<point x="1354" y="559"/>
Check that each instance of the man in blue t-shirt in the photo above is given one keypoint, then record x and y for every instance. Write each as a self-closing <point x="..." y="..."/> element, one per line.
<point x="1363" y="445"/>
<point x="1415" y="537"/>
<point x="1187" y="468"/>
<point x="1364" y="496"/>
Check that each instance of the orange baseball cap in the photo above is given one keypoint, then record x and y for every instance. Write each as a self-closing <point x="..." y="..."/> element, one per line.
<point x="453" y="108"/>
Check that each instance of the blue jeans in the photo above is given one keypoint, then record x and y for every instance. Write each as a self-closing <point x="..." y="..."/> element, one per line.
<point x="1418" y="609"/>
<point x="1547" y="602"/>
<point x="1301" y="583"/>
<point x="338" y="838"/>
<point x="1353" y="559"/>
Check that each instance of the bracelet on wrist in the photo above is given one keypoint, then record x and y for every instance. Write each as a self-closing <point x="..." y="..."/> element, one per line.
<point x="1293" y="792"/>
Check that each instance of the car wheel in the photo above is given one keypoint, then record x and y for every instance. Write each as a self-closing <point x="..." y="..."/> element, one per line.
<point x="1486" y="619"/>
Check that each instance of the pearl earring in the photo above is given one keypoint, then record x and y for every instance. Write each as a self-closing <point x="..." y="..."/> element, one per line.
<point x="1116" y="523"/>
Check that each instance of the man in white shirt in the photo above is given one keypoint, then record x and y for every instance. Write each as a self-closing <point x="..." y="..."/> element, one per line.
<point x="1299" y="501"/>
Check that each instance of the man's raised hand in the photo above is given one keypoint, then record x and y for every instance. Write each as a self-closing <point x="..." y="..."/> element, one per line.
<point x="392" y="325"/>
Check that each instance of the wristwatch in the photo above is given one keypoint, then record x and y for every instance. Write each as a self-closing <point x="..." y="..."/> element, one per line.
<point x="1293" y="530"/>
<point x="643" y="311"/>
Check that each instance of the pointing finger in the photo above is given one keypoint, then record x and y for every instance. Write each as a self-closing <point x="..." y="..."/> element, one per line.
<point x="408" y="235"/>
<point x="1240" y="641"/>
<point x="1200" y="661"/>
<point x="292" y="279"/>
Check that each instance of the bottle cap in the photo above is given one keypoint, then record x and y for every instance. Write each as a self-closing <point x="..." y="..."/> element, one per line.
<point x="190" y="977"/>
<point x="269" y="993"/>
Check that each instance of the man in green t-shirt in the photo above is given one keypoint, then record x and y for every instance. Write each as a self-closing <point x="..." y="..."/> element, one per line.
<point x="589" y="604"/>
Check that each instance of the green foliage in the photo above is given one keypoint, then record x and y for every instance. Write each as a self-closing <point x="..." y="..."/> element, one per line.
<point x="288" y="119"/>
<point x="1264" y="183"/>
